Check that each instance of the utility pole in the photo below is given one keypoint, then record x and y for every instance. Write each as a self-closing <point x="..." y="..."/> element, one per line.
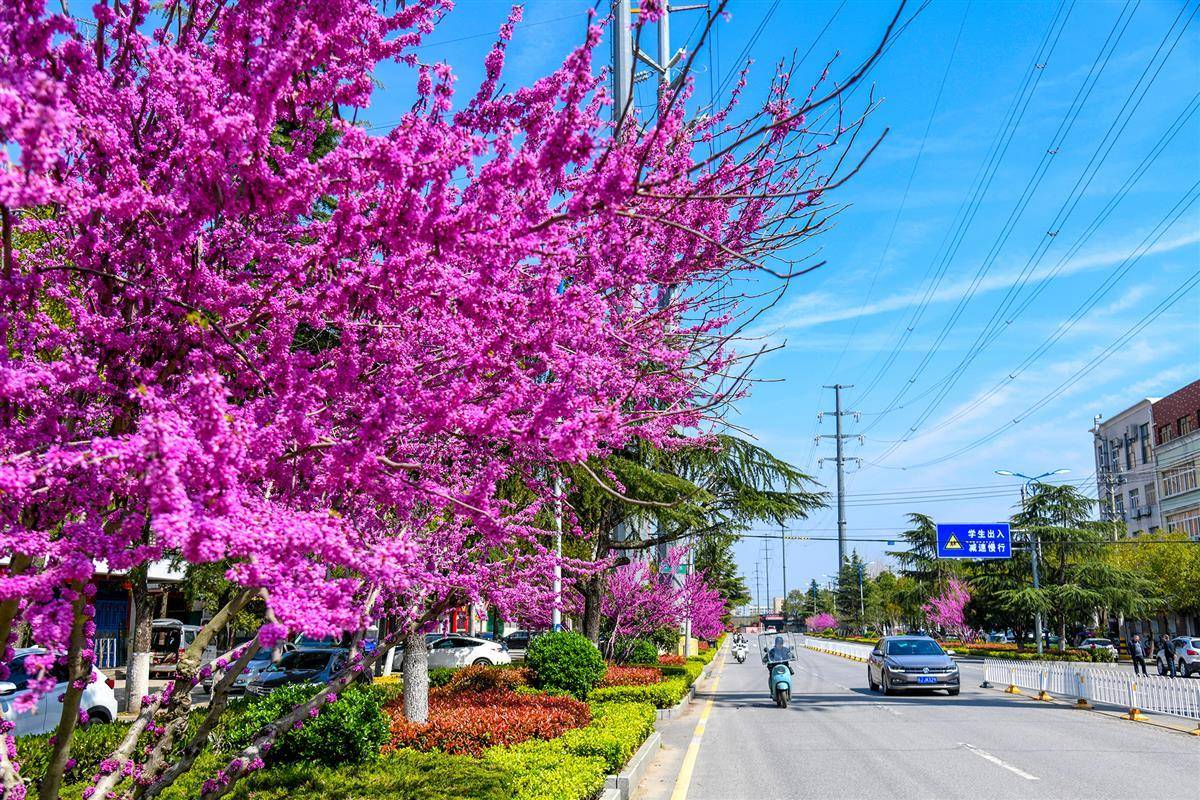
<point x="839" y="438"/>
<point x="783" y="553"/>
<point x="757" y="587"/>
<point x="767" y="572"/>
<point x="622" y="58"/>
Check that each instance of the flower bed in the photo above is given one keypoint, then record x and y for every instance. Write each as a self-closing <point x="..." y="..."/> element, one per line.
<point x="665" y="694"/>
<point x="471" y="722"/>
<point x="630" y="676"/>
<point x="672" y="660"/>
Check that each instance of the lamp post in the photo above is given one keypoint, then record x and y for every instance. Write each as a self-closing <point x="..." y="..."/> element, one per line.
<point x="1036" y="549"/>
<point x="862" y="606"/>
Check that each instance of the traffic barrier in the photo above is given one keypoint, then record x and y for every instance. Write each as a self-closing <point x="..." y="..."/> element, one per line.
<point x="850" y="650"/>
<point x="1177" y="697"/>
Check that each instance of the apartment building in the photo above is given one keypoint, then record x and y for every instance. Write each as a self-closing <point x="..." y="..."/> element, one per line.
<point x="1176" y="420"/>
<point x="1125" y="468"/>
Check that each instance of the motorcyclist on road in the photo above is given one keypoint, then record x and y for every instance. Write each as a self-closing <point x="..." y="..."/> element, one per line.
<point x="779" y="654"/>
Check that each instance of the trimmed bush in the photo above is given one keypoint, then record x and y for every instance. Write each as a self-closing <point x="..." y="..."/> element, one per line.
<point x="565" y="660"/>
<point x="672" y="660"/>
<point x="546" y="771"/>
<point x="487" y="679"/>
<point x="440" y="676"/>
<point x="348" y="731"/>
<point x="666" y="694"/>
<point x="642" y="651"/>
<point x="630" y="676"/>
<point x="403" y="775"/>
<point x="617" y="730"/>
<point x="89" y="746"/>
<point x="470" y="722"/>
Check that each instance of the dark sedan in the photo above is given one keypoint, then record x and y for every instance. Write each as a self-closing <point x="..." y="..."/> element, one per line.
<point x="902" y="663"/>
<point x="316" y="665"/>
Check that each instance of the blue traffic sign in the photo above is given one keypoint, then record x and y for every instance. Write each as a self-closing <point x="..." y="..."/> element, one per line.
<point x="974" y="540"/>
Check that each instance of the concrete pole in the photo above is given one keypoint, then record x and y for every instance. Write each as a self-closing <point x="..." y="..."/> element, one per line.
<point x="622" y="57"/>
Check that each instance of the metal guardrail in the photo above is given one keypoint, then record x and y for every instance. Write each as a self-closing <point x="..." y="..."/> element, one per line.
<point x="107" y="653"/>
<point x="858" y="652"/>
<point x="1086" y="684"/>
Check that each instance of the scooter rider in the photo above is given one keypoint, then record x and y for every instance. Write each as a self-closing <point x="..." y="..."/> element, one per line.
<point x="779" y="654"/>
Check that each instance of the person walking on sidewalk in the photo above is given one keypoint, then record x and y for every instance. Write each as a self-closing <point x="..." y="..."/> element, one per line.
<point x="1167" y="649"/>
<point x="1137" y="652"/>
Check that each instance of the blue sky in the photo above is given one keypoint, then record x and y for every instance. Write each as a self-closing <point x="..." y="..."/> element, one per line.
<point x="906" y="255"/>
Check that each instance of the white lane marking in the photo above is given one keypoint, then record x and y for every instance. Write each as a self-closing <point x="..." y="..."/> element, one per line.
<point x="889" y="709"/>
<point x="998" y="762"/>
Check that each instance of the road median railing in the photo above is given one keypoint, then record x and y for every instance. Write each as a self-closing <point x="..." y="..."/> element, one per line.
<point x="1087" y="684"/>
<point x="851" y="650"/>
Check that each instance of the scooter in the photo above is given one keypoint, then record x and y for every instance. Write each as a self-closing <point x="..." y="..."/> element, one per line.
<point x="739" y="652"/>
<point x="780" y="683"/>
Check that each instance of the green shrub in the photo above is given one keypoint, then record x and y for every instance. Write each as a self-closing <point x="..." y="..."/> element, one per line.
<point x="565" y="660"/>
<point x="642" y="651"/>
<point x="186" y="787"/>
<point x="89" y="746"/>
<point x="546" y="771"/>
<point x="403" y="775"/>
<point x="660" y="695"/>
<point x="349" y="731"/>
<point x="440" y="676"/>
<point x="616" y="731"/>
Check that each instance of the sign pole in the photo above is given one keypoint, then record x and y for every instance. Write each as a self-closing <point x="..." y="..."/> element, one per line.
<point x="1035" y="556"/>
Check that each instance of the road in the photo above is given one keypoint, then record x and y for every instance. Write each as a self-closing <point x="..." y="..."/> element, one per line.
<point x="839" y="740"/>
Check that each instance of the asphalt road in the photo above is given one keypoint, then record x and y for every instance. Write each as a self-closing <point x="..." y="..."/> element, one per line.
<point x="837" y="739"/>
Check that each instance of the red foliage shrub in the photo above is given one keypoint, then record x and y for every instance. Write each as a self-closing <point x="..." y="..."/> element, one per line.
<point x="673" y="661"/>
<point x="486" y="679"/>
<point x="630" y="676"/>
<point x="469" y="722"/>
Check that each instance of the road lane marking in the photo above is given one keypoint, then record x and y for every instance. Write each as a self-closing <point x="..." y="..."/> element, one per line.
<point x="683" y="782"/>
<point x="998" y="762"/>
<point x="889" y="709"/>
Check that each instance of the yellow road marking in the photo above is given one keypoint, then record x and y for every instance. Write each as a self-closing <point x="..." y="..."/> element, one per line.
<point x="683" y="782"/>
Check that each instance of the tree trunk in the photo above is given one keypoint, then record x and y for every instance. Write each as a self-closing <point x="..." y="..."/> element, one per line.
<point x="416" y="679"/>
<point x="590" y="588"/>
<point x="78" y="669"/>
<point x="137" y="664"/>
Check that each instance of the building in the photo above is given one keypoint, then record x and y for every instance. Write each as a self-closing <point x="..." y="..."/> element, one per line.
<point x="1125" y="468"/>
<point x="1176" y="420"/>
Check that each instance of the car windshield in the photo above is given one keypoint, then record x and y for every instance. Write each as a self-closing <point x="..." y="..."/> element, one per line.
<point x="164" y="640"/>
<point x="16" y="673"/>
<point x="914" y="647"/>
<point x="303" y="660"/>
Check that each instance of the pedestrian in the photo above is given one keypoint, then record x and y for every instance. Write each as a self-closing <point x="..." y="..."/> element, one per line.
<point x="1137" y="652"/>
<point x="1166" y="649"/>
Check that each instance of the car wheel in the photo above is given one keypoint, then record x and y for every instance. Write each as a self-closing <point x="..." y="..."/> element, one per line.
<point x="1182" y="671"/>
<point x="98" y="714"/>
<point x="953" y="692"/>
<point x="886" y="681"/>
<point x="1162" y="668"/>
<point x="871" y="682"/>
<point x="481" y="662"/>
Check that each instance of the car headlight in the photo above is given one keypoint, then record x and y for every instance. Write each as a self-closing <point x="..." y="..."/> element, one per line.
<point x="893" y="666"/>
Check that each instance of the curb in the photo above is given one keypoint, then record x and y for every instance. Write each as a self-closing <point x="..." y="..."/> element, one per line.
<point x="621" y="785"/>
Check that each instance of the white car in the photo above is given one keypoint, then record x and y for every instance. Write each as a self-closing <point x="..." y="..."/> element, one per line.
<point x="1099" y="644"/>
<point x="99" y="700"/>
<point x="1187" y="657"/>
<point x="457" y="650"/>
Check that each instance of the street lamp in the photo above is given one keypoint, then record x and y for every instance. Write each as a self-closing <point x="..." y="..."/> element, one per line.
<point x="1036" y="551"/>
<point x="862" y="606"/>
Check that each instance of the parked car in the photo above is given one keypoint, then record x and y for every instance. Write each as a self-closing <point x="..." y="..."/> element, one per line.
<point x="258" y="662"/>
<point x="1099" y="644"/>
<point x="168" y="639"/>
<point x="99" y="700"/>
<point x="901" y="663"/>
<point x="1187" y="657"/>
<point x="457" y="650"/>
<point x="517" y="642"/>
<point x="316" y="665"/>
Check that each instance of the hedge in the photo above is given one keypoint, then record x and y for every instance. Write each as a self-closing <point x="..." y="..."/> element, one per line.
<point x="666" y="694"/>
<point x="616" y="732"/>
<point x="539" y="770"/>
<point x="89" y="746"/>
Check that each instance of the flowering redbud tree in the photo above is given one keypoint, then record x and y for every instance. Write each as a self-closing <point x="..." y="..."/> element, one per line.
<point x="823" y="621"/>
<point x="242" y="329"/>
<point x="947" y="611"/>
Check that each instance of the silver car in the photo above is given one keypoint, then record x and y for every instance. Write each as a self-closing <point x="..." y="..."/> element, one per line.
<point x="1187" y="657"/>
<point x="903" y="663"/>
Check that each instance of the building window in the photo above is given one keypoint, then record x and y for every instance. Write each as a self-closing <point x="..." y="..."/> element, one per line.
<point x="1134" y="506"/>
<point x="1128" y="454"/>
<point x="1151" y="496"/>
<point x="1178" y="480"/>
<point x="1121" y="506"/>
<point x="1185" y="522"/>
<point x="1186" y="425"/>
<point x="1165" y="434"/>
<point x="1144" y="437"/>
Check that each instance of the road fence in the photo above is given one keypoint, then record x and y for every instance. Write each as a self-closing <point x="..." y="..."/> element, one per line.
<point x="852" y="650"/>
<point x="1086" y="684"/>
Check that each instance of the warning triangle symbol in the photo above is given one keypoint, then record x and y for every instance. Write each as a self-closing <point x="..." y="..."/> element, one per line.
<point x="952" y="543"/>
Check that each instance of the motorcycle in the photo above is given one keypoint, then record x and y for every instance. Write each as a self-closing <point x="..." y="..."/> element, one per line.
<point x="779" y="674"/>
<point x="739" y="652"/>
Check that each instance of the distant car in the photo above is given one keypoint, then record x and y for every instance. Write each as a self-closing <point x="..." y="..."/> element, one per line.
<point x="1187" y="657"/>
<point x="1099" y="644"/>
<point x="258" y="663"/>
<point x="517" y="642"/>
<point x="317" y="665"/>
<point x="902" y="663"/>
<point x="168" y="639"/>
<point x="457" y="650"/>
<point x="99" y="700"/>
